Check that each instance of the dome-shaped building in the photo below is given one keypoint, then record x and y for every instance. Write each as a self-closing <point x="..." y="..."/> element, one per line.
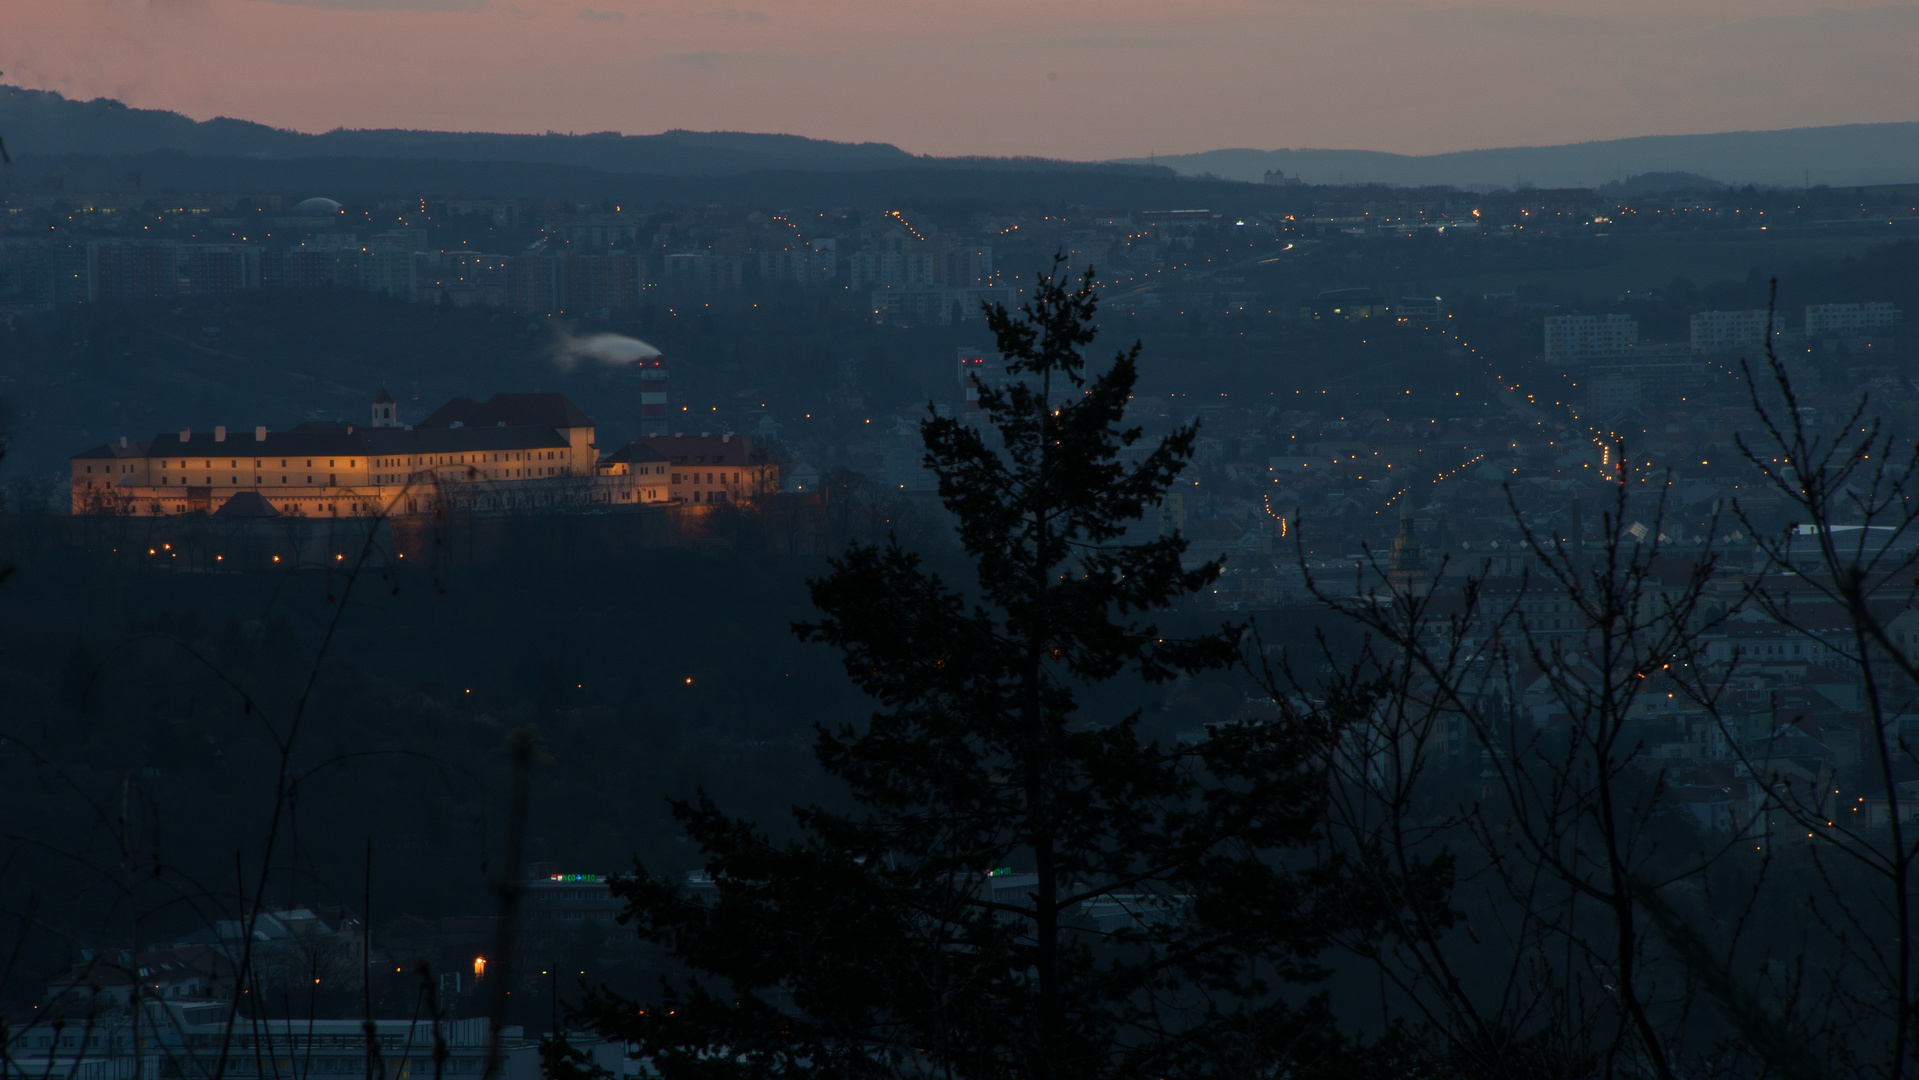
<point x="316" y="207"/>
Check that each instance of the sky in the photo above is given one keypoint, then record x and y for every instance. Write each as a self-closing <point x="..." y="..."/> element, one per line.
<point x="1083" y="79"/>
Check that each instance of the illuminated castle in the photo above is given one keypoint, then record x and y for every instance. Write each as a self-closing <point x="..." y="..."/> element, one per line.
<point x="511" y="452"/>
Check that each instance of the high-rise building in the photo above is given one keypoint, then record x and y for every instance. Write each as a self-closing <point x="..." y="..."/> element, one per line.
<point x="1732" y="331"/>
<point x="1586" y="337"/>
<point x="1849" y="318"/>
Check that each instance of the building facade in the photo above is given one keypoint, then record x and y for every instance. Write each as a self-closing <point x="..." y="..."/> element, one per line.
<point x="707" y="470"/>
<point x="1733" y="331"/>
<point x="1849" y="319"/>
<point x="1584" y="337"/>
<point x="513" y="452"/>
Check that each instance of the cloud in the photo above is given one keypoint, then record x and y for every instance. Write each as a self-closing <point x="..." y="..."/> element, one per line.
<point x="612" y="350"/>
<point x="385" y="5"/>
<point x="603" y="16"/>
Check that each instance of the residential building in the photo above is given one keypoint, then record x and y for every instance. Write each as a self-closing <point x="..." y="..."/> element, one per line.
<point x="703" y="272"/>
<point x="200" y="972"/>
<point x="1852" y="320"/>
<point x="134" y="270"/>
<point x="1734" y="331"/>
<point x="1585" y="337"/>
<point x="707" y="469"/>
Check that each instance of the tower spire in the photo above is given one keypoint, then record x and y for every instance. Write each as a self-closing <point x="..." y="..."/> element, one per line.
<point x="386" y="411"/>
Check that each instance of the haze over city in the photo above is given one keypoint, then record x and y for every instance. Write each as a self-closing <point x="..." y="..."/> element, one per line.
<point x="1240" y="540"/>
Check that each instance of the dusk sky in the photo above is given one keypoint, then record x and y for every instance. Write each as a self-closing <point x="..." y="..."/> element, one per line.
<point x="1063" y="78"/>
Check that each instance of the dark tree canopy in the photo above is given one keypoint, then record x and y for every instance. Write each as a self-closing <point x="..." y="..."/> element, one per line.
<point x="1025" y="890"/>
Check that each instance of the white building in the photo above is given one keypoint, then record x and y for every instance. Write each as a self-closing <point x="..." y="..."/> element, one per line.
<point x="1733" y="331"/>
<point x="1849" y="319"/>
<point x="1584" y="337"/>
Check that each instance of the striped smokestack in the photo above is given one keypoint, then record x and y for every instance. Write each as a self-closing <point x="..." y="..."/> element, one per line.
<point x="653" y="416"/>
<point x="972" y="367"/>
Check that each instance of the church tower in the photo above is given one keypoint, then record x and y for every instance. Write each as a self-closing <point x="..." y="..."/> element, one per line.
<point x="386" y="411"/>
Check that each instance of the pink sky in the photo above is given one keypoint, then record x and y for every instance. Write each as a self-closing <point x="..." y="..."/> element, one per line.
<point x="1063" y="78"/>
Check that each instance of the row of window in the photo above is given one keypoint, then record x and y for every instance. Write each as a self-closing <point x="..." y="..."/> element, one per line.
<point x="352" y="463"/>
<point x="331" y="479"/>
<point x="460" y="459"/>
<point x="494" y="474"/>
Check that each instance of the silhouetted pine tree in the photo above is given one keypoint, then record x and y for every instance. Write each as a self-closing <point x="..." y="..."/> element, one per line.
<point x="1025" y="891"/>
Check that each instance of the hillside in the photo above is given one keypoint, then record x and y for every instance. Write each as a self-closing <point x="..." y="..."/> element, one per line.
<point x="41" y="124"/>
<point x="1843" y="155"/>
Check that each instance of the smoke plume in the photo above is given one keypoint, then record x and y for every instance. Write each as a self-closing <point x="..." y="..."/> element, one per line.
<point x="612" y="350"/>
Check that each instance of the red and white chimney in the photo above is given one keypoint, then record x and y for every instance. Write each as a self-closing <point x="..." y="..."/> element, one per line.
<point x="653" y="415"/>
<point x="972" y="368"/>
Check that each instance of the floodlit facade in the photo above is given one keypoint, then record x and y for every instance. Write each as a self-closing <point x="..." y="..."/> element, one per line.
<point x="513" y="452"/>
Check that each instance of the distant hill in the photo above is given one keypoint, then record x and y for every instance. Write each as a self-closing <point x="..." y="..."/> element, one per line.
<point x="363" y="180"/>
<point x="45" y="127"/>
<point x="43" y="124"/>
<point x="1661" y="183"/>
<point x="1843" y="155"/>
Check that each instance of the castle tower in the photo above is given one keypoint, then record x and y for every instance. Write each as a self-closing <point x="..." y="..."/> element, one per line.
<point x="386" y="411"/>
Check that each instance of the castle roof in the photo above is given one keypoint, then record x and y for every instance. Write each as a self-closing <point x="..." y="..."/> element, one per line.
<point x="247" y="504"/>
<point x="110" y="451"/>
<point x="513" y="410"/>
<point x="633" y="453"/>
<point x="320" y="439"/>
<point x="461" y="426"/>
<point x="700" y="449"/>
